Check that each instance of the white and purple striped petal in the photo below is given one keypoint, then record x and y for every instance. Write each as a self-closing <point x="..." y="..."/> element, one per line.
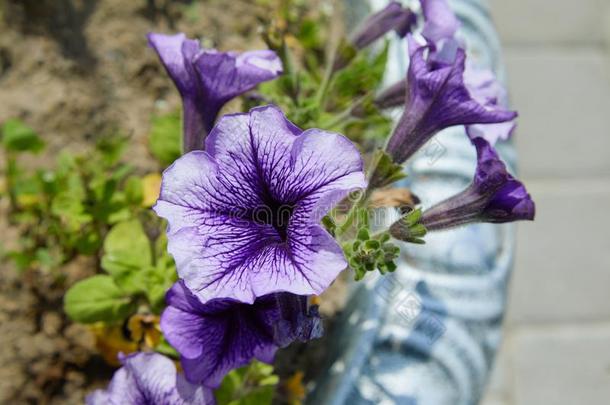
<point x="150" y="378"/>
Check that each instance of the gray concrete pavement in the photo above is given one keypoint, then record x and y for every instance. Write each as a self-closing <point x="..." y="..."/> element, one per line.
<point x="557" y="336"/>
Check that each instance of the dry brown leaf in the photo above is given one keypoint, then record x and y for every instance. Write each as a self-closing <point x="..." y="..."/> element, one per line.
<point x="393" y="197"/>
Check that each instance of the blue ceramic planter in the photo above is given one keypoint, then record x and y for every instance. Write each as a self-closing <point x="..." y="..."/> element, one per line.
<point x="428" y="333"/>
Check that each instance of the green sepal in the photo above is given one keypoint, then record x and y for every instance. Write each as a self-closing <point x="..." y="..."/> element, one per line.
<point x="385" y="171"/>
<point x="409" y="228"/>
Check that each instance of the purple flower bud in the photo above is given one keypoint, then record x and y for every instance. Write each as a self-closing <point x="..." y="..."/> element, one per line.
<point x="244" y="216"/>
<point x="392" y="17"/>
<point x="392" y="96"/>
<point x="150" y="378"/>
<point x="494" y="196"/>
<point x="221" y="335"/>
<point x="437" y="99"/>
<point x="207" y="79"/>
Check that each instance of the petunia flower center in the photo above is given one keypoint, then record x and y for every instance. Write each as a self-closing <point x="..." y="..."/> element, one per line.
<point x="276" y="215"/>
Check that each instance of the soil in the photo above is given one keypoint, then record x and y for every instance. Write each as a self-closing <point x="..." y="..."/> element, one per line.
<point x="75" y="71"/>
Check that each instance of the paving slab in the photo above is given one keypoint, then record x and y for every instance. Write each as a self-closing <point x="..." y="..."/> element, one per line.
<point x="562" y="269"/>
<point x="550" y="21"/>
<point x="562" y="366"/>
<point x="562" y="96"/>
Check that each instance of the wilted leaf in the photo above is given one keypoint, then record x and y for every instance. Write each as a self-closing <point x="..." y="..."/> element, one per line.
<point x="393" y="197"/>
<point x="151" y="184"/>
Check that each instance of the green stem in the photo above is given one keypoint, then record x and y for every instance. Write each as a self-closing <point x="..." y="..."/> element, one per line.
<point x="353" y="212"/>
<point x="11" y="171"/>
<point x="346" y="113"/>
<point x="328" y="75"/>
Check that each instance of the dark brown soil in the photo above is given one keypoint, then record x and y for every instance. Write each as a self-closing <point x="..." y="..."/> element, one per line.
<point x="77" y="70"/>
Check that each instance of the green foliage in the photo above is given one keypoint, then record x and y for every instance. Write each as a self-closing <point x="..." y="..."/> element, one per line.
<point x="165" y="139"/>
<point x="66" y="210"/>
<point x="370" y="253"/>
<point x="360" y="78"/>
<point x="97" y="298"/>
<point x="250" y="385"/>
<point x="333" y="93"/>
<point x="139" y="270"/>
<point x="126" y="248"/>
<point x="18" y="137"/>
<point x="137" y="263"/>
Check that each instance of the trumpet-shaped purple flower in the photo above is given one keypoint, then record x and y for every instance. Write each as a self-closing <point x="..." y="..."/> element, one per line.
<point x="487" y="91"/>
<point x="440" y="21"/>
<point x="244" y="216"/>
<point x="221" y="335"/>
<point x="437" y="98"/>
<point x="393" y="17"/>
<point x="150" y="378"/>
<point x="207" y="79"/>
<point x="494" y="196"/>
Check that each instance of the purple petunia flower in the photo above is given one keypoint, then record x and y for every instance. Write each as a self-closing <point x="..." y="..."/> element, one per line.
<point x="437" y="98"/>
<point x="440" y="21"/>
<point x="150" y="378"/>
<point x="393" y="17"/>
<point x="494" y="196"/>
<point x="221" y="335"/>
<point x="487" y="91"/>
<point x="207" y="79"/>
<point x="244" y="216"/>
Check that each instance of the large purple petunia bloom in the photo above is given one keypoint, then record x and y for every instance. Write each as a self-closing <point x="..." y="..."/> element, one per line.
<point x="221" y="335"/>
<point x="436" y="99"/>
<point x="207" y="79"/>
<point x="244" y="216"/>
<point x="494" y="196"/>
<point x="150" y="378"/>
<point x="487" y="91"/>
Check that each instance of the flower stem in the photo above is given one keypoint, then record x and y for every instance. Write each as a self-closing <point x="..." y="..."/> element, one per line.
<point x="353" y="212"/>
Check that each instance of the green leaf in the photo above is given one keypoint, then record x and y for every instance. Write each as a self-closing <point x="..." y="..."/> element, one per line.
<point x="165" y="138"/>
<point x="158" y="280"/>
<point x="111" y="148"/>
<point x="363" y="234"/>
<point x="250" y="385"/>
<point x="134" y="190"/>
<point x="127" y="252"/>
<point x="363" y="75"/>
<point x="97" y="299"/>
<point x="18" y="137"/>
<point x="70" y="209"/>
